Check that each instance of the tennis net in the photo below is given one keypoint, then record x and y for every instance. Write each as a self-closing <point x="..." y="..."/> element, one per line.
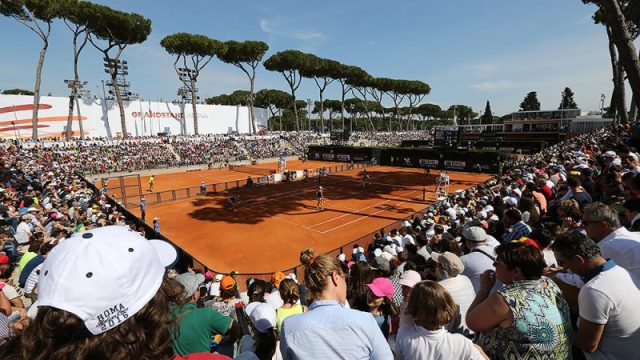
<point x="252" y="170"/>
<point x="379" y="189"/>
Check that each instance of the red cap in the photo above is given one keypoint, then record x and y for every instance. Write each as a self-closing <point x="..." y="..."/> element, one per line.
<point x="4" y="259"/>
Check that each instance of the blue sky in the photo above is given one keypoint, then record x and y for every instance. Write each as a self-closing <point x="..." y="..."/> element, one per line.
<point x="468" y="51"/>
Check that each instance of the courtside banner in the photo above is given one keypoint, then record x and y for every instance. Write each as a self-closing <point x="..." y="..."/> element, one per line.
<point x="101" y="118"/>
<point x="428" y="162"/>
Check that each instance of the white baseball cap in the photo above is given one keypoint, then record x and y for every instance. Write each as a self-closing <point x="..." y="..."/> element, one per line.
<point x="262" y="315"/>
<point x="103" y="276"/>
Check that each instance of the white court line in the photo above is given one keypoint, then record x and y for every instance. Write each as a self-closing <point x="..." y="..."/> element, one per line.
<point x="361" y="218"/>
<point x="295" y="223"/>
<point x="351" y="213"/>
<point x="358" y="210"/>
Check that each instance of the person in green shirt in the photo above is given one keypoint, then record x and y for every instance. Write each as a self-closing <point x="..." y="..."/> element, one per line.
<point x="198" y="326"/>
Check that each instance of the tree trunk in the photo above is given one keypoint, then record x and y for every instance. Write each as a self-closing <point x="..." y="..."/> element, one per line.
<point x="194" y="105"/>
<point x="621" y="37"/>
<point x="321" y="113"/>
<point x="80" y="119"/>
<point x="295" y="112"/>
<point x="69" y="132"/>
<point x="280" y="112"/>
<point x="36" y="90"/>
<point x="252" y="118"/>
<point x="621" y="101"/>
<point x="635" y="103"/>
<point x="613" y="57"/>
<point x="342" y="105"/>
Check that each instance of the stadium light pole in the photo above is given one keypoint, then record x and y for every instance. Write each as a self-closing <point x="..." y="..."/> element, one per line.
<point x="309" y="113"/>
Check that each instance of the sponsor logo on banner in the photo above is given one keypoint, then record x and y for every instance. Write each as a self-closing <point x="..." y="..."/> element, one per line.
<point x="428" y="162"/>
<point x="316" y="155"/>
<point x="455" y="164"/>
<point x="327" y="156"/>
<point x="342" y="157"/>
<point x="359" y="158"/>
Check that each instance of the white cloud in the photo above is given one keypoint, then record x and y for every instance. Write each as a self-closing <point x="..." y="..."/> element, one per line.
<point x="276" y="28"/>
<point x="493" y="85"/>
<point x="481" y="70"/>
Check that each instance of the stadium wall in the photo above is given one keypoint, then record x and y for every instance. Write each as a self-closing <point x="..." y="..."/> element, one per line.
<point x="411" y="157"/>
<point x="101" y="118"/>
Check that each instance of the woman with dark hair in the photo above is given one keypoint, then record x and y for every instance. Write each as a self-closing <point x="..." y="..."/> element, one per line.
<point x="360" y="276"/>
<point x="380" y="302"/>
<point x="329" y="330"/>
<point x="528" y="316"/>
<point x="432" y="308"/>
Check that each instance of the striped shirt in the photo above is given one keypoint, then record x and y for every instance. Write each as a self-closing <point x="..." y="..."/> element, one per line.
<point x="330" y="331"/>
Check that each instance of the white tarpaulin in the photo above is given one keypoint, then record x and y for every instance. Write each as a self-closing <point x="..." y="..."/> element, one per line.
<point x="143" y="118"/>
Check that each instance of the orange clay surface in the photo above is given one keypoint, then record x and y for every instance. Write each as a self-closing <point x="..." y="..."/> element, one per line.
<point x="274" y="222"/>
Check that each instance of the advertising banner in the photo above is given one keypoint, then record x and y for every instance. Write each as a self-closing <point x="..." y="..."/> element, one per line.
<point x="101" y="118"/>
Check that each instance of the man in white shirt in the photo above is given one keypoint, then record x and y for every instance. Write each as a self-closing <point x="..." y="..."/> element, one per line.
<point x="615" y="242"/>
<point x="406" y="238"/>
<point x="609" y="323"/>
<point x="24" y="225"/>
<point x="481" y="257"/>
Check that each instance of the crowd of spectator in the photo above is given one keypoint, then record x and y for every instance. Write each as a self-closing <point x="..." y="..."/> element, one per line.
<point x="543" y="261"/>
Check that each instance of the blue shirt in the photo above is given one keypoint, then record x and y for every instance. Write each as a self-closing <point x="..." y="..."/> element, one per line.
<point x="331" y="331"/>
<point x="518" y="230"/>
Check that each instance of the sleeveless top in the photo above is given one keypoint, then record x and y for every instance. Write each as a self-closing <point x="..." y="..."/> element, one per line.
<point x="541" y="327"/>
<point x="282" y="314"/>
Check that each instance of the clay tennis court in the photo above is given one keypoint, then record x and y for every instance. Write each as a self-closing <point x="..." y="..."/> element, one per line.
<point x="274" y="222"/>
<point x="165" y="182"/>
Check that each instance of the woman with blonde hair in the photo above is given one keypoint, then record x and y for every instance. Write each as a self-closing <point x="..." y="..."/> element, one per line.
<point x="431" y="308"/>
<point x="329" y="330"/>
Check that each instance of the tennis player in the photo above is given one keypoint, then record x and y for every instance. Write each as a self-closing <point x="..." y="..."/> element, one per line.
<point x="365" y="178"/>
<point x="152" y="181"/>
<point x="233" y="202"/>
<point x="320" y="196"/>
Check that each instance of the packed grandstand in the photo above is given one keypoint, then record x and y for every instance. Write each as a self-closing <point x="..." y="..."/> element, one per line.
<point x="504" y="269"/>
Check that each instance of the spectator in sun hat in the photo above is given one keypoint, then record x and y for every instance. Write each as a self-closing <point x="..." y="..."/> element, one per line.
<point x="99" y="290"/>
<point x="198" y="325"/>
<point x="449" y="270"/>
<point x="380" y="301"/>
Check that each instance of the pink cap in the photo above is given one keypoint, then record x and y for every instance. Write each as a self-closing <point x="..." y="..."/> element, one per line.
<point x="208" y="275"/>
<point x="410" y="278"/>
<point x="381" y="287"/>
